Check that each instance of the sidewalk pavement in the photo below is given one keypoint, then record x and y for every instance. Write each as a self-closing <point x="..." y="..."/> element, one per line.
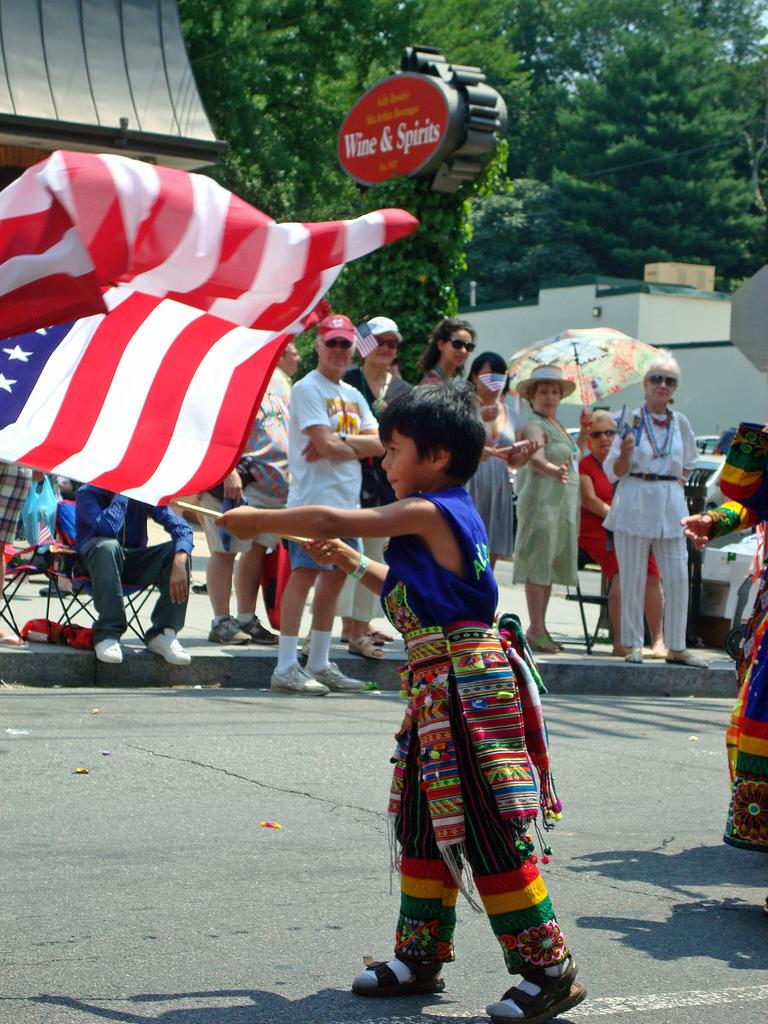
<point x="571" y="671"/>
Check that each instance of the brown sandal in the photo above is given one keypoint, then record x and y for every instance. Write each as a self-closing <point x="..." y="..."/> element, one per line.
<point x="366" y="648"/>
<point x="426" y="979"/>
<point x="557" y="995"/>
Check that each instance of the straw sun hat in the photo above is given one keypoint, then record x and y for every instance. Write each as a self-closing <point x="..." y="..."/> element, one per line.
<point x="544" y="373"/>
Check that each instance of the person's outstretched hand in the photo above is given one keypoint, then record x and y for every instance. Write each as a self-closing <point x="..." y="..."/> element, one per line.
<point x="517" y="454"/>
<point x="331" y="552"/>
<point x="698" y="529"/>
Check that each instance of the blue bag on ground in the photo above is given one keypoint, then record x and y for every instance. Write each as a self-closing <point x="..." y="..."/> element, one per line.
<point x="39" y="511"/>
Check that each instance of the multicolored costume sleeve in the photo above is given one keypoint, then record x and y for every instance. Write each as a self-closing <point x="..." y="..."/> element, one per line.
<point x="730" y="517"/>
<point x="744" y="478"/>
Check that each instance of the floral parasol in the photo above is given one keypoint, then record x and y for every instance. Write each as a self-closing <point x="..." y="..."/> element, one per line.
<point x="600" y="360"/>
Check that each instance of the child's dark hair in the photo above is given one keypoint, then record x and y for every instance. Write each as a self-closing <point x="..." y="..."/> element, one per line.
<point x="437" y="416"/>
<point x="430" y="357"/>
<point x="494" y="361"/>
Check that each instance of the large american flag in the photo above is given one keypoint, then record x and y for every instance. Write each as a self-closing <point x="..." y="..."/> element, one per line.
<point x="152" y="391"/>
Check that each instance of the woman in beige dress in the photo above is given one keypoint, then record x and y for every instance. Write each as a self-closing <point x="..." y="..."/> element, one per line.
<point x="546" y="546"/>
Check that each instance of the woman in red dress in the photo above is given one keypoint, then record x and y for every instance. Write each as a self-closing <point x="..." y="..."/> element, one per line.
<point x="596" y="494"/>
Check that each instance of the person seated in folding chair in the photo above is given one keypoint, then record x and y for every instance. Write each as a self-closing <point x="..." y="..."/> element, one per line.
<point x="112" y="542"/>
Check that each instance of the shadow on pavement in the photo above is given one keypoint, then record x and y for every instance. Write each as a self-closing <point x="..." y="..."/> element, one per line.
<point x="729" y="930"/>
<point x="330" y="1005"/>
<point x="684" y="873"/>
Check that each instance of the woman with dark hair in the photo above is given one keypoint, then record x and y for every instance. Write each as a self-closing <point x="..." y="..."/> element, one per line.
<point x="490" y="487"/>
<point x="451" y="344"/>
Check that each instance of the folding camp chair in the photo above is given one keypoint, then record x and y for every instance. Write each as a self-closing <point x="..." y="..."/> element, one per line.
<point x="20" y="565"/>
<point x="600" y="599"/>
<point x="70" y="586"/>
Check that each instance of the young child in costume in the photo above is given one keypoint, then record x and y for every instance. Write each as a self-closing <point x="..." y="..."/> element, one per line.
<point x="745" y="482"/>
<point x="463" y="788"/>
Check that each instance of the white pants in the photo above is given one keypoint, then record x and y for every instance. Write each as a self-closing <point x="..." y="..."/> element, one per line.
<point x="356" y="601"/>
<point x="672" y="556"/>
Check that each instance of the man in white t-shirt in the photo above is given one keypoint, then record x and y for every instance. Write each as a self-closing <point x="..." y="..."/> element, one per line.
<point x="331" y="428"/>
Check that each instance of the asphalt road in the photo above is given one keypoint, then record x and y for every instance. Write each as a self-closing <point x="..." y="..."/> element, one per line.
<point x="146" y="890"/>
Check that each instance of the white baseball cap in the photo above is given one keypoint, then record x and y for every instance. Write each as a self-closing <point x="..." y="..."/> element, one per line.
<point x="383" y="325"/>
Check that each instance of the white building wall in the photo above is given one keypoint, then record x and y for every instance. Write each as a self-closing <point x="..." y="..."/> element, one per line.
<point x="720" y="387"/>
<point x="669" y="319"/>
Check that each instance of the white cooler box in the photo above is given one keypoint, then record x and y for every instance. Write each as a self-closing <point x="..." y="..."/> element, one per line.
<point x="723" y="571"/>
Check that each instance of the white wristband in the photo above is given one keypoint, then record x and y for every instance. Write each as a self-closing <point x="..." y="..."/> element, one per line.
<point x="360" y="569"/>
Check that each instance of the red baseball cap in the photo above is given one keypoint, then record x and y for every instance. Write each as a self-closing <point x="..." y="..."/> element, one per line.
<point x="337" y="326"/>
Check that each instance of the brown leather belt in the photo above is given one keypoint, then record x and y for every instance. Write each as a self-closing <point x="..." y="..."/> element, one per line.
<point x="651" y="476"/>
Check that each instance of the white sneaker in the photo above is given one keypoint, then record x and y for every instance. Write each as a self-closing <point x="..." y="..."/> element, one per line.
<point x="635" y="656"/>
<point x="296" y="680"/>
<point x="109" y="651"/>
<point x="167" y="646"/>
<point x="332" y="677"/>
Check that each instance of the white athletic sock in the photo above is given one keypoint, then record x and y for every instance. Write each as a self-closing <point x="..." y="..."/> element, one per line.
<point x="245" y="617"/>
<point x="287" y="652"/>
<point x="218" y="618"/>
<point x="367" y="979"/>
<point x="557" y="969"/>
<point x="319" y="646"/>
<point x="402" y="971"/>
<point x="508" y="1007"/>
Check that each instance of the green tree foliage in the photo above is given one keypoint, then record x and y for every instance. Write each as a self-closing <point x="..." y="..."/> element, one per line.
<point x="520" y="239"/>
<point x="676" y="88"/>
<point x="638" y="131"/>
<point x="651" y="170"/>
<point x="277" y="78"/>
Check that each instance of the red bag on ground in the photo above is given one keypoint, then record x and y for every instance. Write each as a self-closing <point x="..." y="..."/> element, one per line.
<point x="44" y="631"/>
<point x="274" y="576"/>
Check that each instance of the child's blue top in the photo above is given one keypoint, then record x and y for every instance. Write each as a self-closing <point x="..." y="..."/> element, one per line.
<point x="435" y="595"/>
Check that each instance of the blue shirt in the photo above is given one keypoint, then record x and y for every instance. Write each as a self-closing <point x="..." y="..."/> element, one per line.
<point x="435" y="595"/>
<point x="100" y="513"/>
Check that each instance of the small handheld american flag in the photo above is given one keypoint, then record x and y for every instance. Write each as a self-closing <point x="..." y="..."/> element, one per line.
<point x="366" y="339"/>
<point x="493" y="381"/>
<point x="44" y="535"/>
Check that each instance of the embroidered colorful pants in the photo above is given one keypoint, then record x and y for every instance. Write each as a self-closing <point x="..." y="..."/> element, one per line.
<point x="512" y="890"/>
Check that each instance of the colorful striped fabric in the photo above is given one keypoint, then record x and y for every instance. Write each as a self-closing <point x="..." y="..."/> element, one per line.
<point x="517" y="904"/>
<point x="491" y="703"/>
<point x="427" y="919"/>
<point x="522" y="918"/>
<point x="491" y="706"/>
<point x="744" y="478"/>
<point x="745" y="482"/>
<point x="730" y="517"/>
<point x="747" y="737"/>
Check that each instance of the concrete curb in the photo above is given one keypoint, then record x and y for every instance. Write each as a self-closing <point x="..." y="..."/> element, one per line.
<point x="45" y="666"/>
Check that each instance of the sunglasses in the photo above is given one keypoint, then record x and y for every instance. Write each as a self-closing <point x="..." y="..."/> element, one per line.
<point x="459" y="344"/>
<point x="594" y="434"/>
<point x="660" y="378"/>
<point x="392" y="343"/>
<point x="341" y="342"/>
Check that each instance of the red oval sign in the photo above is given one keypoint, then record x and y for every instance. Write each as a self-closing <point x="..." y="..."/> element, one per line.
<point x="394" y="129"/>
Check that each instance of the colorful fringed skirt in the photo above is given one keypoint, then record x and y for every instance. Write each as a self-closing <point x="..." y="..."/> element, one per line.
<point x="747" y="740"/>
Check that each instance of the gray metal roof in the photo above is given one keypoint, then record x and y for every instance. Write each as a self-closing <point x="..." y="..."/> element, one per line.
<point x="71" y="71"/>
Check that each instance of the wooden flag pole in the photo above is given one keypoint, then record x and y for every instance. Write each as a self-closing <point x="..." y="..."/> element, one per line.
<point x="212" y="512"/>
